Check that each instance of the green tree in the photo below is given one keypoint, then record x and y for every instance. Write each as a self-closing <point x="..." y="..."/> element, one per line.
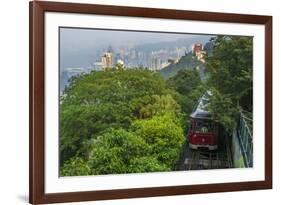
<point x="106" y="118"/>
<point x="159" y="104"/>
<point x="112" y="152"/>
<point x="189" y="89"/>
<point x="223" y="110"/>
<point x="230" y="69"/>
<point x="76" y="126"/>
<point x="151" y="145"/>
<point x="146" y="164"/>
<point x="99" y="100"/>
<point x="185" y="81"/>
<point x="75" y="167"/>
<point x="164" y="133"/>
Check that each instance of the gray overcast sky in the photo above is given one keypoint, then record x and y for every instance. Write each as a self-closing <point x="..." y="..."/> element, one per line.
<point x="79" y="46"/>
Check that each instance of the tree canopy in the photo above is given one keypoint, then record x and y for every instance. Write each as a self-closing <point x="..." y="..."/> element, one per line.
<point x="231" y="77"/>
<point x="99" y="116"/>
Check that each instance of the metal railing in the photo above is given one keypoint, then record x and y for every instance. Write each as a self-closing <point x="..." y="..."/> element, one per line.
<point x="244" y="130"/>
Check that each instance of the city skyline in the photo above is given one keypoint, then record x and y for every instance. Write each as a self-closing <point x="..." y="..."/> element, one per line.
<point x="83" y="50"/>
<point x="83" y="47"/>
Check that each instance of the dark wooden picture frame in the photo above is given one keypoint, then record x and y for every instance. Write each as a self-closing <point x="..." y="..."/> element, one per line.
<point x="37" y="193"/>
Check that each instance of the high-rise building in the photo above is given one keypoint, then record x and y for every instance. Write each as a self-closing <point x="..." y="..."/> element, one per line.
<point x="197" y="50"/>
<point x="155" y="63"/>
<point x="107" y="60"/>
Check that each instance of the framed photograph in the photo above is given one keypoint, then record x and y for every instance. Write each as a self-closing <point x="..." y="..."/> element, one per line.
<point x="138" y="102"/>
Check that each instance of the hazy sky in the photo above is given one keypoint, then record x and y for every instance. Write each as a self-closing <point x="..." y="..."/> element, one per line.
<point x="79" y="47"/>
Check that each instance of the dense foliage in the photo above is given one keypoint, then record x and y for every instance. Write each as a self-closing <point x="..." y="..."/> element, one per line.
<point x="105" y="117"/>
<point x="228" y="75"/>
<point x="113" y="151"/>
<point x="155" y="143"/>
<point x="164" y="134"/>
<point x="231" y="78"/>
<point x="189" y="89"/>
<point x="75" y="166"/>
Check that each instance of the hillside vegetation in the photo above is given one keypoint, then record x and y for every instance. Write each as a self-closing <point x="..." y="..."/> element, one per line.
<point x="111" y="121"/>
<point x="186" y="62"/>
<point x="132" y="121"/>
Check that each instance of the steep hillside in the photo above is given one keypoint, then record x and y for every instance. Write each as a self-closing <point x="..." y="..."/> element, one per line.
<point x="186" y="62"/>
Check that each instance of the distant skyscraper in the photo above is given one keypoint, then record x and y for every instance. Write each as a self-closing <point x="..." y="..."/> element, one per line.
<point x="197" y="50"/>
<point x="107" y="60"/>
<point x="155" y="63"/>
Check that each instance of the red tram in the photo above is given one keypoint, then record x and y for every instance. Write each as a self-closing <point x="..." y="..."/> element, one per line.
<point x="203" y="130"/>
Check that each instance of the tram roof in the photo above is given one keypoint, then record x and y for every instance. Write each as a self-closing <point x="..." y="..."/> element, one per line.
<point x="200" y="111"/>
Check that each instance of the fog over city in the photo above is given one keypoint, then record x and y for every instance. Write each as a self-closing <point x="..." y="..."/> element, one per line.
<point x="81" y="48"/>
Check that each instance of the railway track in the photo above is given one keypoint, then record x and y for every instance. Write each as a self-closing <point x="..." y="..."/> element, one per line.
<point x="204" y="159"/>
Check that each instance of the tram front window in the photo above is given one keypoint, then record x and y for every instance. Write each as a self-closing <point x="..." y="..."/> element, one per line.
<point x="203" y="127"/>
